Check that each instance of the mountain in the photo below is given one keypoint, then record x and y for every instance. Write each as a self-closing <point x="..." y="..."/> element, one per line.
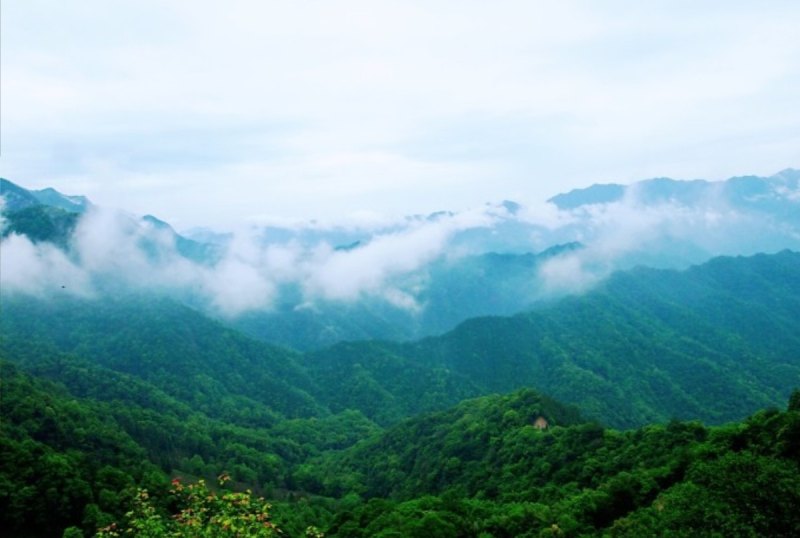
<point x="596" y="194"/>
<point x="310" y="286"/>
<point x="77" y="439"/>
<point x="202" y="253"/>
<point x="42" y="224"/>
<point x="51" y="197"/>
<point x="524" y="465"/>
<point x="50" y="216"/>
<point x="75" y="448"/>
<point x="180" y="351"/>
<point x="454" y="290"/>
<point x="212" y="368"/>
<point x="102" y="395"/>
<point x="714" y="342"/>
<point x="768" y="194"/>
<point x="15" y="197"/>
<point x="638" y="347"/>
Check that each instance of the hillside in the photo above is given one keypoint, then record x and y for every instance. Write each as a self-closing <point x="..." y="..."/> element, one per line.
<point x="76" y="440"/>
<point x="515" y="465"/>
<point x="311" y="285"/>
<point x="121" y="368"/>
<point x="483" y="468"/>
<point x="162" y="342"/>
<point x="715" y="343"/>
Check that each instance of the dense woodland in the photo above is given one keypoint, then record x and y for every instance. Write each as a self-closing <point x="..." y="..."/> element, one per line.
<point x="482" y="468"/>
<point x="654" y="404"/>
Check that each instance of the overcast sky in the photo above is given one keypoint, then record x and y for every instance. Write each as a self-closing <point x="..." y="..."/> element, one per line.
<point x="225" y="112"/>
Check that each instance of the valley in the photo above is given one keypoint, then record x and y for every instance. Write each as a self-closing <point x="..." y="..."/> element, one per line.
<point x="502" y="391"/>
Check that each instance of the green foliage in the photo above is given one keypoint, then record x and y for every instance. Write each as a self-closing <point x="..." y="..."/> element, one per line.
<point x="101" y="400"/>
<point x="201" y="513"/>
<point x="62" y="462"/>
<point x="179" y="351"/>
<point x="713" y="343"/>
<point x="479" y="469"/>
<point x="794" y="401"/>
<point x="42" y="223"/>
<point x="382" y="384"/>
<point x="573" y="479"/>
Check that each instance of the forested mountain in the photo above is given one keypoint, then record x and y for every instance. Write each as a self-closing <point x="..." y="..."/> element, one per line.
<point x="715" y="342"/>
<point x="516" y="465"/>
<point x="147" y="377"/>
<point x="491" y="467"/>
<point x="42" y="223"/>
<point x="77" y="439"/>
<point x="122" y="365"/>
<point x="311" y="285"/>
<point x="171" y="346"/>
<point x="454" y="290"/>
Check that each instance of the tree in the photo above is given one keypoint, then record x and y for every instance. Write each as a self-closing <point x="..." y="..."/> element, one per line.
<point x="794" y="400"/>
<point x="201" y="513"/>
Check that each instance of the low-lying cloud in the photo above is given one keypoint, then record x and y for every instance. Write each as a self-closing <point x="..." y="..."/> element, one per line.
<point x="668" y="234"/>
<point x="111" y="251"/>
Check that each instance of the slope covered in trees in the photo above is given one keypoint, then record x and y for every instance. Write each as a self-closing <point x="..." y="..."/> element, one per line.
<point x="311" y="286"/>
<point x="76" y="446"/>
<point x="515" y="465"/>
<point x="183" y="394"/>
<point x="715" y="342"/>
<point x="100" y="397"/>
<point x="454" y="290"/>
<point x="179" y="350"/>
<point x="485" y="469"/>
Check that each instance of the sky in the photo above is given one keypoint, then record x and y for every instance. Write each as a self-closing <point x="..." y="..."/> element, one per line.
<point x="223" y="113"/>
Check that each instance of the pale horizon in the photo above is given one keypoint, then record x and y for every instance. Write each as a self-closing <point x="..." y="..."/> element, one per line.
<point x="205" y="115"/>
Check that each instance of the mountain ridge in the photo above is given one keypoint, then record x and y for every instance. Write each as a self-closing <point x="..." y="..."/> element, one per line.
<point x="639" y="348"/>
<point x="311" y="287"/>
<point x="737" y="188"/>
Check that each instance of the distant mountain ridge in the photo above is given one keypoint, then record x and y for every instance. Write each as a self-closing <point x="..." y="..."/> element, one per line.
<point x="749" y="191"/>
<point x="52" y="197"/>
<point x="123" y="386"/>
<point x="20" y="198"/>
<point x="313" y="286"/>
<point x="50" y="216"/>
<point x="714" y="342"/>
<point x="15" y="197"/>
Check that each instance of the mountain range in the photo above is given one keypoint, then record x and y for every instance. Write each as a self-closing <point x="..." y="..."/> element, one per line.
<point x="475" y="374"/>
<point x="309" y="286"/>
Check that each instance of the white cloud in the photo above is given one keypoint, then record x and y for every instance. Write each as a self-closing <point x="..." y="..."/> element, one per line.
<point x="347" y="274"/>
<point x="110" y="249"/>
<point x="319" y="109"/>
<point x="662" y="234"/>
<point x="41" y="270"/>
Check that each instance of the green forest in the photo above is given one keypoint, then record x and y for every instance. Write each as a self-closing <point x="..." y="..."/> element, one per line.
<point x="661" y="402"/>
<point x="487" y="467"/>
